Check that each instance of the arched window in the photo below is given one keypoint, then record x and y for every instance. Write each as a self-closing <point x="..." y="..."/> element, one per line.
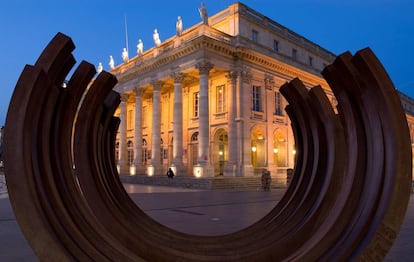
<point x="144" y="152"/>
<point x="130" y="149"/>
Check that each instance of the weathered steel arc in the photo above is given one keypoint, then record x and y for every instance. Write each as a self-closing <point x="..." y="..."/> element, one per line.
<point x="346" y="200"/>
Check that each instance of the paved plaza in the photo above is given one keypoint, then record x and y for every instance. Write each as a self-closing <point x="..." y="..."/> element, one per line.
<point x="202" y="212"/>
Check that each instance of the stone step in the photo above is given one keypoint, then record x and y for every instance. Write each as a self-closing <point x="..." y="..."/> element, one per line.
<point x="207" y="183"/>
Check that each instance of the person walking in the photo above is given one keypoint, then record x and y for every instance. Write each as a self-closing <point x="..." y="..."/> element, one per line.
<point x="170" y="173"/>
<point x="266" y="179"/>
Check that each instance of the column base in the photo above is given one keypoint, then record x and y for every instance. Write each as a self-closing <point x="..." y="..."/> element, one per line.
<point x="248" y="170"/>
<point x="137" y="170"/>
<point x="203" y="170"/>
<point x="179" y="170"/>
<point x="153" y="170"/>
<point x="123" y="169"/>
<point x="230" y="170"/>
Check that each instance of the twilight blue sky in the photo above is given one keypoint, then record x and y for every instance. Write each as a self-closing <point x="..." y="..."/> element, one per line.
<point x="97" y="29"/>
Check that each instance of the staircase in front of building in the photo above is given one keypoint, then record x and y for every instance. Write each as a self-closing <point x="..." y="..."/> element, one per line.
<point x="204" y="183"/>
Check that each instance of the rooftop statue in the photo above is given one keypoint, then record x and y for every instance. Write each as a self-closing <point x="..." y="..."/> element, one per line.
<point x="203" y="13"/>
<point x="100" y="68"/>
<point x="156" y="37"/>
<point x="111" y="62"/>
<point x="140" y="47"/>
<point x="179" y="26"/>
<point x="125" y="57"/>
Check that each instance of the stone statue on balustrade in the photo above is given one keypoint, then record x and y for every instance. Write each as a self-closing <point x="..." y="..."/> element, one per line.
<point x="179" y="26"/>
<point x="156" y="37"/>
<point x="111" y="62"/>
<point x="100" y="68"/>
<point x="203" y="13"/>
<point x="140" y="47"/>
<point x="125" y="56"/>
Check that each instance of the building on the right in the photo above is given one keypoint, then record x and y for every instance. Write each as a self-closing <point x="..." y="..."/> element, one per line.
<point x="408" y="105"/>
<point x="1" y="146"/>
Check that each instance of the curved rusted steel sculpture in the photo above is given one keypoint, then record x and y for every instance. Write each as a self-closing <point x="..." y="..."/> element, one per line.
<point x="346" y="200"/>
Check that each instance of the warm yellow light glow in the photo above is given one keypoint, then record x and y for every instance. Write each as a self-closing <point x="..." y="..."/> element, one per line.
<point x="275" y="150"/>
<point x="132" y="170"/>
<point x="294" y="151"/>
<point x="254" y="149"/>
<point x="220" y="153"/>
<point x="198" y="171"/>
<point x="150" y="170"/>
<point x="174" y="169"/>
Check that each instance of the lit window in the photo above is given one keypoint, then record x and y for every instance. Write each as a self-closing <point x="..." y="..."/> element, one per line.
<point x="275" y="45"/>
<point x="161" y="150"/>
<point x="130" y="119"/>
<point x="130" y="152"/>
<point x="196" y="104"/>
<point x="143" y="116"/>
<point x="144" y="152"/>
<point x="220" y="99"/>
<point x="278" y="104"/>
<point x="255" y="36"/>
<point x="256" y="105"/>
<point x="294" y="54"/>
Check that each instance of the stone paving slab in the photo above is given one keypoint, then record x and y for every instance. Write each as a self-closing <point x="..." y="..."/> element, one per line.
<point x="202" y="212"/>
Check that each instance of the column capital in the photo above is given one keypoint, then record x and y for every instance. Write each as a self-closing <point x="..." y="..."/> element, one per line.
<point x="247" y="76"/>
<point x="138" y="91"/>
<point x="178" y="77"/>
<point x="204" y="67"/>
<point x="269" y="82"/>
<point x="232" y="76"/>
<point x="157" y="84"/>
<point x="124" y="97"/>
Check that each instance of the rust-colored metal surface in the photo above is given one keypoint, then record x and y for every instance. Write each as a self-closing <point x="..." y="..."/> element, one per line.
<point x="346" y="200"/>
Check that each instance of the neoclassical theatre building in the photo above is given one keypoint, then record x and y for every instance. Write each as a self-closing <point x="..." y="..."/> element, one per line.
<point x="206" y="101"/>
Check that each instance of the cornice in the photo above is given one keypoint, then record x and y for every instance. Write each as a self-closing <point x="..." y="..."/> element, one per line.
<point x="280" y="67"/>
<point x="138" y="67"/>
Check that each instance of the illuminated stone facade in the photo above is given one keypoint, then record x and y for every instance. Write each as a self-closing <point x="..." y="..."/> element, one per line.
<point x="207" y="102"/>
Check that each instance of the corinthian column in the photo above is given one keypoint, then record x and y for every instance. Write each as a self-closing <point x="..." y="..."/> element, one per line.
<point x="178" y="123"/>
<point x="231" y="166"/>
<point x="123" y="161"/>
<point x="156" y="167"/>
<point x="203" y="120"/>
<point x="139" y="168"/>
<point x="246" y="167"/>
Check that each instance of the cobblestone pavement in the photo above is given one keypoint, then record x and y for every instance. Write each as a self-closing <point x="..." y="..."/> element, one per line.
<point x="210" y="212"/>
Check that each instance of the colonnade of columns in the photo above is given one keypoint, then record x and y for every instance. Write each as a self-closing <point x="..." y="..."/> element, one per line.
<point x="203" y="166"/>
<point x="239" y="154"/>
